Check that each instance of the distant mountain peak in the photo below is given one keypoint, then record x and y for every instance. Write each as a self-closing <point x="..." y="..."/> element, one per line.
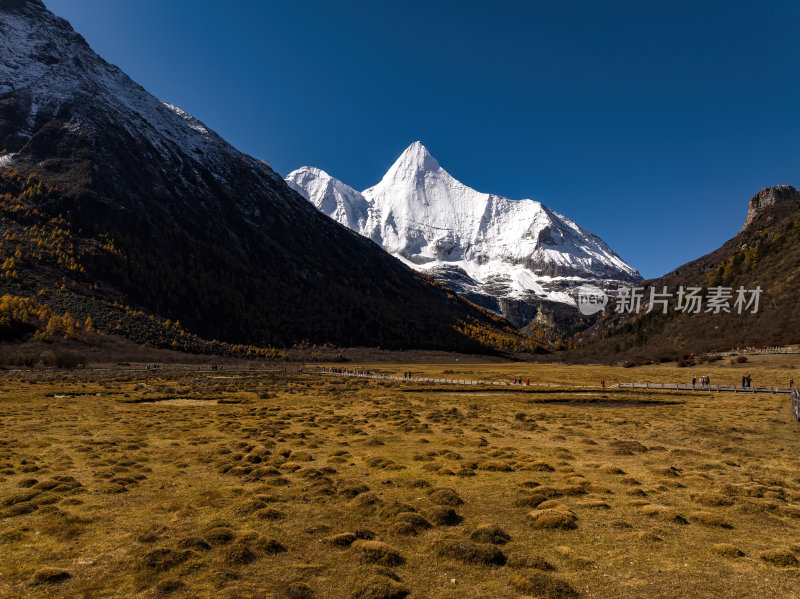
<point x="511" y="249"/>
<point x="332" y="197"/>
<point x="769" y="196"/>
<point x="200" y="232"/>
<point x="414" y="159"/>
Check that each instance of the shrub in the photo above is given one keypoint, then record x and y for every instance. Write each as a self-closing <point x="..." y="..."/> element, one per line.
<point x="490" y="533"/>
<point x="376" y="552"/>
<point x="469" y="553"/>
<point x="69" y="359"/>
<point x="445" y="496"/>
<point x="552" y="518"/>
<point x="727" y="549"/>
<point x="50" y="576"/>
<point x="780" y="557"/>
<point x="378" y="583"/>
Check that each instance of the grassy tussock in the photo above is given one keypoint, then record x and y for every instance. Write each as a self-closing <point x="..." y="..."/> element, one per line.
<point x="178" y="483"/>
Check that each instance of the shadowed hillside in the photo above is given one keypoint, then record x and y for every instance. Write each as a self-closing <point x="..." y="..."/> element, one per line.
<point x="765" y="253"/>
<point x="112" y="195"/>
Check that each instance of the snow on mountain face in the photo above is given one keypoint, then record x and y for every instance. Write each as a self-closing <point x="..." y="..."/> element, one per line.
<point x="332" y="197"/>
<point x="53" y="71"/>
<point x="202" y="233"/>
<point x="510" y="248"/>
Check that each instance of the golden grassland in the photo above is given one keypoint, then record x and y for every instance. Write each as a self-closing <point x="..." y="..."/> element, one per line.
<point x="121" y="483"/>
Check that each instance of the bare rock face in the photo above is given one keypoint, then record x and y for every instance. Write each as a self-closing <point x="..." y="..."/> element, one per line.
<point x="769" y="196"/>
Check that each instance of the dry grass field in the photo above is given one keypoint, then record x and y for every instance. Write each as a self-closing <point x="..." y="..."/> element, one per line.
<point x="115" y="483"/>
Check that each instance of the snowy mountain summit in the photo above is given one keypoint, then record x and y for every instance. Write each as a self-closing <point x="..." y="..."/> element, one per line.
<point x="162" y="214"/>
<point x="486" y="247"/>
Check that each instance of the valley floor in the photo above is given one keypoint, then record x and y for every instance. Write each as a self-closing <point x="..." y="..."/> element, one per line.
<point x="183" y="482"/>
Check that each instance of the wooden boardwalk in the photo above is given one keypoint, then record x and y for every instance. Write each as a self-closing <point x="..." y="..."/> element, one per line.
<point x="690" y="387"/>
<point x="415" y="379"/>
<point x="752" y="352"/>
<point x="478" y="382"/>
<point x="451" y="381"/>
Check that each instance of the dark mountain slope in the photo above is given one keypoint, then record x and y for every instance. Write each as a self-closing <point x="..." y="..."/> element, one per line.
<point x="765" y="253"/>
<point x="134" y="201"/>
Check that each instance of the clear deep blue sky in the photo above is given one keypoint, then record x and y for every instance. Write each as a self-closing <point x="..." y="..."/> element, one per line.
<point x="649" y="123"/>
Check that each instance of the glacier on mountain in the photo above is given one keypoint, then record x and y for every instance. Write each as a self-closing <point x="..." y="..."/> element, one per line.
<point x="478" y="243"/>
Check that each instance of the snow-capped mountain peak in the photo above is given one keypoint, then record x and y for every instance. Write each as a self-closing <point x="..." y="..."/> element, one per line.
<point x="415" y="160"/>
<point x="332" y="197"/>
<point x="516" y="249"/>
<point x="200" y="232"/>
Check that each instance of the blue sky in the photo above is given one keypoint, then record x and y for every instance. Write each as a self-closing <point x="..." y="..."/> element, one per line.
<point x="649" y="123"/>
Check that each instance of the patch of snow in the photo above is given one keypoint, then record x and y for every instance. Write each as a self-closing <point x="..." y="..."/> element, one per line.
<point x="562" y="297"/>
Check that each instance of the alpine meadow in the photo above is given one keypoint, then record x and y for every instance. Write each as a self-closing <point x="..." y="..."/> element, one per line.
<point x="338" y="370"/>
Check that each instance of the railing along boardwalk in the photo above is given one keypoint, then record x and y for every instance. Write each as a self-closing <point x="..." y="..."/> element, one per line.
<point x="690" y="387"/>
<point x="666" y="386"/>
<point x="753" y="351"/>
<point x="448" y="381"/>
<point x="417" y="379"/>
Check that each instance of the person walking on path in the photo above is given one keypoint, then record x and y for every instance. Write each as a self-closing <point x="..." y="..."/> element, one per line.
<point x="603" y="383"/>
<point x="694" y="381"/>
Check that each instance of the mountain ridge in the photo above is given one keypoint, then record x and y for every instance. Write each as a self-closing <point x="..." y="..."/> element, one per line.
<point x="765" y="253"/>
<point x="509" y="249"/>
<point x="113" y="194"/>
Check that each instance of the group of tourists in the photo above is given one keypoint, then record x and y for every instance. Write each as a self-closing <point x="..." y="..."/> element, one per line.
<point x="747" y="382"/>
<point x="152" y="366"/>
<point x="518" y="380"/>
<point x="761" y="349"/>
<point x="350" y="371"/>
